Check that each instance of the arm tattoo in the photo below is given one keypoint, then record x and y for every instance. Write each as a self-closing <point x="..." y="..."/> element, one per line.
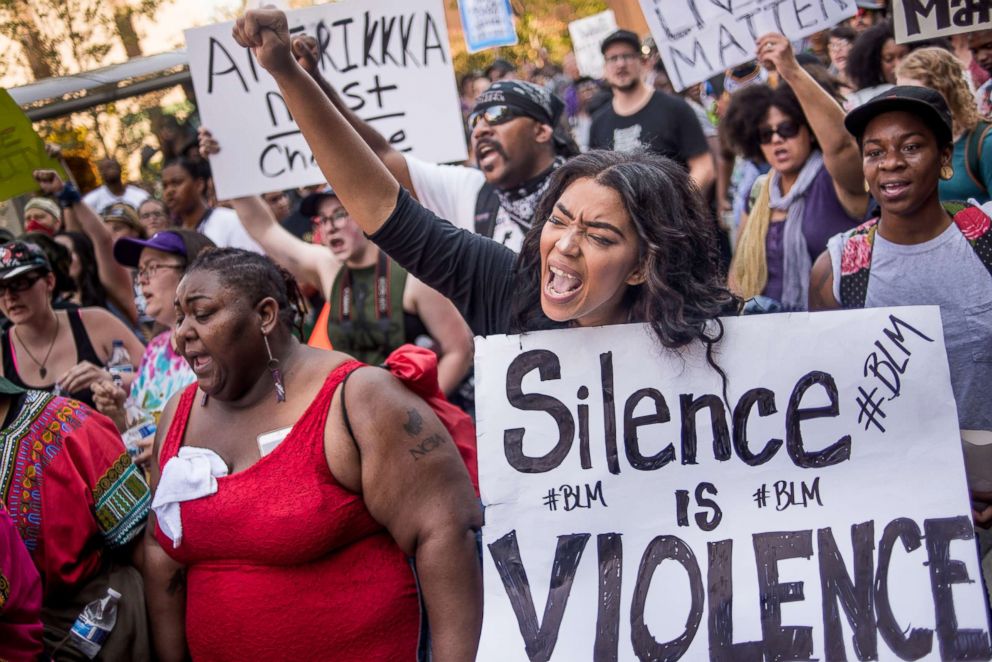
<point x="414" y="423"/>
<point x="177" y="582"/>
<point x="426" y="446"/>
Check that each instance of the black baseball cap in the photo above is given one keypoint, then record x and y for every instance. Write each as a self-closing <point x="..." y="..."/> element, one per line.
<point x="309" y="204"/>
<point x="923" y="102"/>
<point x="621" y="37"/>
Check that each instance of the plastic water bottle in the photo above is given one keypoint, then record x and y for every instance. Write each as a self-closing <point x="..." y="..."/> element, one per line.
<point x="95" y="624"/>
<point x="119" y="363"/>
<point x="140" y="424"/>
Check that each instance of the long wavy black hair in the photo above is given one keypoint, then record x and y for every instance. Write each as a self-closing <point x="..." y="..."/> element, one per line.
<point x="684" y="290"/>
<point x="90" y="287"/>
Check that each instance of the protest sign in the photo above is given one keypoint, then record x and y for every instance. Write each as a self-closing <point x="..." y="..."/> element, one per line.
<point x="487" y="24"/>
<point x="816" y="510"/>
<point x="587" y="34"/>
<point x="390" y="62"/>
<point x="915" y="20"/>
<point x="22" y="151"/>
<point x="700" y="38"/>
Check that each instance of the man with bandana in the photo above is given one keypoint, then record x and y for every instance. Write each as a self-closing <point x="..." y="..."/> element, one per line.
<point x="515" y="138"/>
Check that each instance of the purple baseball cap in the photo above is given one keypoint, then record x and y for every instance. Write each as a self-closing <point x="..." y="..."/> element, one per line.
<point x="184" y="243"/>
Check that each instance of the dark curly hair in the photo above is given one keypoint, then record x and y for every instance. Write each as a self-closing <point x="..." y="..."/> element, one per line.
<point x="257" y="277"/>
<point x="864" y="62"/>
<point x="748" y="107"/>
<point x="684" y="290"/>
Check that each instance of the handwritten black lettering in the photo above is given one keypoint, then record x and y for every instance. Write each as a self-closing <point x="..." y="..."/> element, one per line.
<point x="426" y="446"/>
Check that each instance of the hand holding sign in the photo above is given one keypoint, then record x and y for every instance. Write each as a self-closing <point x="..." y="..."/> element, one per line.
<point x="208" y="145"/>
<point x="266" y="32"/>
<point x="774" y="52"/>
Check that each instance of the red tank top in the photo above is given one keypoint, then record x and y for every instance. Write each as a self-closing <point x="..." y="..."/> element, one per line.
<point x="286" y="564"/>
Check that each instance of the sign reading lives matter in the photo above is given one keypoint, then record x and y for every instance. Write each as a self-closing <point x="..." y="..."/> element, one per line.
<point x="819" y="512"/>
<point x="915" y="20"/>
<point x="698" y="39"/>
<point x="391" y="63"/>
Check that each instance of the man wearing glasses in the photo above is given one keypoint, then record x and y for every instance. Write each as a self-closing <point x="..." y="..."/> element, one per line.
<point x="516" y="138"/>
<point x="642" y="117"/>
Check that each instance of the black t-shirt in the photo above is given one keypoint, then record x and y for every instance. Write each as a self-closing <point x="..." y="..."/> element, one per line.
<point x="475" y="272"/>
<point x="666" y="125"/>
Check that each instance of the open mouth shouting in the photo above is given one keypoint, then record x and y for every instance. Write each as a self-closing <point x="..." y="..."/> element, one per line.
<point x="893" y="189"/>
<point x="563" y="284"/>
<point x="486" y="154"/>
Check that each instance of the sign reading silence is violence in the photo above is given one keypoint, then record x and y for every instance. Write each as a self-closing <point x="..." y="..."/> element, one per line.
<point x="390" y="61"/>
<point x="815" y="510"/>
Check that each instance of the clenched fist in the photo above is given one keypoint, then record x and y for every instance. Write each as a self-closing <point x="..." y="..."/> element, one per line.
<point x="266" y="32"/>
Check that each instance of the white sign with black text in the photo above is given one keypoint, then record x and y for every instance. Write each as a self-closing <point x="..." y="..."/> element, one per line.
<point x="487" y="24"/>
<point x="587" y="34"/>
<point x="391" y="63"/>
<point x="915" y="20"/>
<point x="698" y="39"/>
<point x="815" y="510"/>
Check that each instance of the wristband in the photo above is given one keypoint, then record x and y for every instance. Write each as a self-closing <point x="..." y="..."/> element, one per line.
<point x="69" y="195"/>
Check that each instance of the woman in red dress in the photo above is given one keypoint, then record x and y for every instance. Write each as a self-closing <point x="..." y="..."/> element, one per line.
<point x="296" y="518"/>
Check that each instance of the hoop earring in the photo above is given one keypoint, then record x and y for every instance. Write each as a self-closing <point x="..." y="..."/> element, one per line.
<point x="273" y="366"/>
<point x="946" y="172"/>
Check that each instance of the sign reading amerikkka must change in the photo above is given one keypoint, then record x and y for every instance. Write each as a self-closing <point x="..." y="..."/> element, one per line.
<point x="391" y="63"/>
<point x="819" y="512"/>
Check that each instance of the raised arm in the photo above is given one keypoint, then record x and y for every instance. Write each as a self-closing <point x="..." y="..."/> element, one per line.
<point x="307" y="54"/>
<point x="309" y="263"/>
<point x="364" y="185"/>
<point x="413" y="482"/>
<point x="116" y="278"/>
<point x="841" y="155"/>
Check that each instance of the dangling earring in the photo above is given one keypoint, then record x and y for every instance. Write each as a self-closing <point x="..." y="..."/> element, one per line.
<point x="276" y="372"/>
<point x="867" y="188"/>
<point x="946" y="172"/>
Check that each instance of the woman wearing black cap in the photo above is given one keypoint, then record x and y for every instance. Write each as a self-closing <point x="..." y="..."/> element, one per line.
<point x="920" y="252"/>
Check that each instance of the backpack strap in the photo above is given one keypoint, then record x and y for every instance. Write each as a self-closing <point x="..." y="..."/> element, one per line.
<point x="855" y="264"/>
<point x="973" y="153"/>
<point x="976" y="226"/>
<point x="486" y="209"/>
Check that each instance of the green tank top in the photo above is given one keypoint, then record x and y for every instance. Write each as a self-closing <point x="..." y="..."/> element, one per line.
<point x="366" y="316"/>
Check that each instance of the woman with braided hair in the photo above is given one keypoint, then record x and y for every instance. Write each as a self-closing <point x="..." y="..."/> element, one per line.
<point x="295" y="541"/>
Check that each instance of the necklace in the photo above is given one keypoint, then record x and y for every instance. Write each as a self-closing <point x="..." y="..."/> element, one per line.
<point x="42" y="370"/>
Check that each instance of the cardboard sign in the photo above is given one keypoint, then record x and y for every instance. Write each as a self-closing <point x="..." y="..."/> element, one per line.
<point x="915" y="20"/>
<point x="487" y="24"/>
<point x="22" y="151"/>
<point x="698" y="39"/>
<point x="587" y="34"/>
<point x="390" y="62"/>
<point x="818" y="511"/>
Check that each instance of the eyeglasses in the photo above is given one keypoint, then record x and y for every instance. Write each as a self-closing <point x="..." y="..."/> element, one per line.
<point x="19" y="284"/>
<point x="148" y="215"/>
<point x="149" y="271"/>
<point x="622" y="57"/>
<point x="334" y="219"/>
<point x="785" y="130"/>
<point x="493" y="115"/>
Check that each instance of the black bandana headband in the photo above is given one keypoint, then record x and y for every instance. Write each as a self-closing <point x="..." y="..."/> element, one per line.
<point x="527" y="98"/>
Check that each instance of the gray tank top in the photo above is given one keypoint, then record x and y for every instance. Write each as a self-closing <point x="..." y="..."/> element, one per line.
<point x="944" y="271"/>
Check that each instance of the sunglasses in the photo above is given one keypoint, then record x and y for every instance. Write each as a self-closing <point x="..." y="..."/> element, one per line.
<point x="21" y="284"/>
<point x="493" y="115"/>
<point x="785" y="130"/>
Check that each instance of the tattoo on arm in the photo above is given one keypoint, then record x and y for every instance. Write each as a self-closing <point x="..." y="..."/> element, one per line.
<point x="414" y="424"/>
<point x="177" y="582"/>
<point x="426" y="446"/>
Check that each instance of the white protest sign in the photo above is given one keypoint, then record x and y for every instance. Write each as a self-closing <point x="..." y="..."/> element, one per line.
<point x="391" y="63"/>
<point x="587" y="34"/>
<point x="700" y="38"/>
<point x="487" y="24"/>
<point x="632" y="514"/>
<point x="915" y="20"/>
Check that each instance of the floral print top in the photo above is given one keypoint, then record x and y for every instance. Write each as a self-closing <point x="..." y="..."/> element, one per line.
<point x="161" y="374"/>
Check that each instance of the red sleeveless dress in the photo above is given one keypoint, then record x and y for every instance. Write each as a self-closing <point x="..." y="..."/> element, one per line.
<point x="286" y="564"/>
